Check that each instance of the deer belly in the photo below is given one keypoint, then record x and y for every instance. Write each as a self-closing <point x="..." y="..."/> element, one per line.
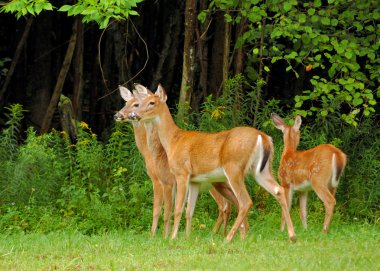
<point x="303" y="187"/>
<point x="214" y="176"/>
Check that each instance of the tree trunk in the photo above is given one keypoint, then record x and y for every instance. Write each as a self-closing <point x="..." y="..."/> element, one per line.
<point x="216" y="61"/>
<point x="67" y="117"/>
<point x="78" y="72"/>
<point x="60" y="81"/>
<point x="15" y="59"/>
<point x="226" y="53"/>
<point x="239" y="56"/>
<point x="39" y="75"/>
<point x="187" y="83"/>
<point x="202" y="51"/>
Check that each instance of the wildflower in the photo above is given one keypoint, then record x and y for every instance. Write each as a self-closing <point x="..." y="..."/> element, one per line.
<point x="217" y="113"/>
<point x="84" y="125"/>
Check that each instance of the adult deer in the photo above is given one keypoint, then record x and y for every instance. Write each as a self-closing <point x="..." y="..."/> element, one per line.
<point x="197" y="157"/>
<point x="318" y="168"/>
<point x="156" y="162"/>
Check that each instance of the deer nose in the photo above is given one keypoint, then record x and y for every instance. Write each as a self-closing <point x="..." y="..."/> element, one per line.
<point x="118" y="116"/>
<point x="133" y="116"/>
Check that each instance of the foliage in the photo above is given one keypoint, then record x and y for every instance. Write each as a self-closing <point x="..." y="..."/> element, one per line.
<point x="96" y="186"/>
<point x="25" y="7"/>
<point x="9" y="145"/>
<point x="228" y="110"/>
<point x="333" y="46"/>
<point x="38" y="170"/>
<point x="102" y="11"/>
<point x="97" y="11"/>
<point x="9" y="136"/>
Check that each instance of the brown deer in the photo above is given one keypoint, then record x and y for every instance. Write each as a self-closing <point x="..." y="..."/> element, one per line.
<point x="156" y="162"/>
<point x="317" y="169"/>
<point x="197" y="157"/>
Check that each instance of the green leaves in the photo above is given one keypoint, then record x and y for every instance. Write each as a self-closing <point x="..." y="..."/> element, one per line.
<point x="99" y="11"/>
<point x="24" y="7"/>
<point x="102" y="12"/>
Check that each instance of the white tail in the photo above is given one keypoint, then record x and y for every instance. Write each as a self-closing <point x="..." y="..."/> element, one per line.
<point x="318" y="168"/>
<point x="157" y="167"/>
<point x="226" y="156"/>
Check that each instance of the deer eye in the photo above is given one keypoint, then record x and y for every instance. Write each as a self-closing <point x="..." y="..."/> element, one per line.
<point x="152" y="103"/>
<point x="136" y="105"/>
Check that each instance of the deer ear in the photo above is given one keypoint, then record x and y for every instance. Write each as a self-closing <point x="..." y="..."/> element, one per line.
<point x="142" y="90"/>
<point x="125" y="93"/>
<point x="160" y="92"/>
<point x="278" y="122"/>
<point x="297" y="123"/>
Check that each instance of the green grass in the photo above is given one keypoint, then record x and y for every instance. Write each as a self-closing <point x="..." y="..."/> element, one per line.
<point x="346" y="247"/>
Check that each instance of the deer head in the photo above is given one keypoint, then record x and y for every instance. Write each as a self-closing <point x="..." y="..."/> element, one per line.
<point x="131" y="103"/>
<point x="149" y="104"/>
<point x="291" y="132"/>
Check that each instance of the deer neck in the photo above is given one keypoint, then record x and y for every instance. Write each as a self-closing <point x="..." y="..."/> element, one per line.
<point x="167" y="129"/>
<point x="140" y="138"/>
<point x="153" y="140"/>
<point x="290" y="144"/>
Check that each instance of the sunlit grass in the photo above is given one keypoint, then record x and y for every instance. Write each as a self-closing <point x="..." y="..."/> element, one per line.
<point x="346" y="247"/>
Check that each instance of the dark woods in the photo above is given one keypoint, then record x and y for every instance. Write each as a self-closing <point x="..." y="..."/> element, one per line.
<point x="147" y="49"/>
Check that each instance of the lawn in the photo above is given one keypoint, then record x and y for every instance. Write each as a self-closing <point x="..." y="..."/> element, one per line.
<point x="346" y="247"/>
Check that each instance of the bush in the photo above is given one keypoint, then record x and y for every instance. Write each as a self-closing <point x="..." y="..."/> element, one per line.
<point x="48" y="183"/>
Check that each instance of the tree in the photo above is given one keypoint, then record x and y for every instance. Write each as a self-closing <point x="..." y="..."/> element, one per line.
<point x="187" y="83"/>
<point x="330" y="50"/>
<point x="100" y="12"/>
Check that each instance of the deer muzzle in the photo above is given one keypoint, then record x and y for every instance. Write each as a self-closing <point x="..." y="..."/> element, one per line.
<point x="133" y="116"/>
<point x="119" y="116"/>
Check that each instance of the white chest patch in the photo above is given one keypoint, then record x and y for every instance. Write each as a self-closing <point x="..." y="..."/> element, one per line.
<point x="305" y="186"/>
<point x="216" y="175"/>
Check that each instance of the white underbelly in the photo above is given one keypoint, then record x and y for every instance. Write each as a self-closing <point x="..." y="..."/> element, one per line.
<point x="214" y="176"/>
<point x="303" y="187"/>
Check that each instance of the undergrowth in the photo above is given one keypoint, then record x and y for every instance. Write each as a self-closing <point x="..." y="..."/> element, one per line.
<point x="48" y="183"/>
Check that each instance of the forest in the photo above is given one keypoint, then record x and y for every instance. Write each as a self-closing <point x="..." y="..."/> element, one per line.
<point x="65" y="162"/>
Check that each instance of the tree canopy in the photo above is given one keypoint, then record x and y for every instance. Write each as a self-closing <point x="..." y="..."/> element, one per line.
<point x="318" y="58"/>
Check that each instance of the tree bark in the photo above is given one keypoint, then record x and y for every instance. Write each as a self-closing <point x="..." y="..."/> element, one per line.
<point x="78" y="72"/>
<point x="202" y="51"/>
<point x="67" y="117"/>
<point x="15" y="59"/>
<point x="226" y="53"/>
<point x="239" y="56"/>
<point x="187" y="83"/>
<point x="217" y="51"/>
<point x="60" y="81"/>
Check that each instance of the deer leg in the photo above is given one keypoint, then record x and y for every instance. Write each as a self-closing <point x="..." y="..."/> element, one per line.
<point x="168" y="202"/>
<point x="289" y="197"/>
<point x="267" y="181"/>
<point x="182" y="182"/>
<point x="225" y="189"/>
<point x="191" y="201"/>
<point x="329" y="201"/>
<point x="303" y="208"/>
<point x="235" y="179"/>
<point x="157" y="204"/>
<point x="226" y="217"/>
<point x="221" y="216"/>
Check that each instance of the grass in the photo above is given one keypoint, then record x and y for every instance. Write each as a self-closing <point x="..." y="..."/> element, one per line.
<point x="346" y="247"/>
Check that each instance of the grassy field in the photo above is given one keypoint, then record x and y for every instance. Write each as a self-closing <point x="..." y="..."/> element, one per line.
<point x="346" y="247"/>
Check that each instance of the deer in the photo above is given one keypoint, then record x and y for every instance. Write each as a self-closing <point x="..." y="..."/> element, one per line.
<point x="197" y="157"/>
<point x="156" y="163"/>
<point x="318" y="169"/>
